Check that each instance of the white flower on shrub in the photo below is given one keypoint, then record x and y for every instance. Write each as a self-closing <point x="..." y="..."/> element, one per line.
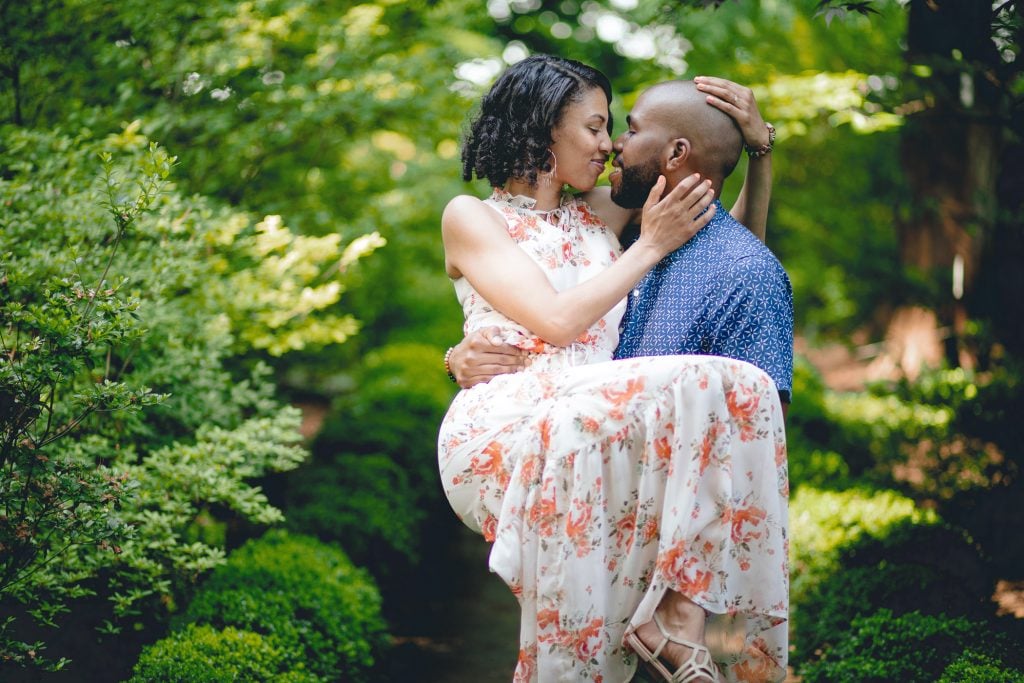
<point x="193" y="84"/>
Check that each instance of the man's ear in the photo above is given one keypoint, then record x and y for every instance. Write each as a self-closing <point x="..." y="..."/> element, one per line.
<point x="678" y="154"/>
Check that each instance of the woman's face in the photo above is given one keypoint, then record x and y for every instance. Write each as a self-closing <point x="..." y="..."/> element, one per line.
<point x="580" y="143"/>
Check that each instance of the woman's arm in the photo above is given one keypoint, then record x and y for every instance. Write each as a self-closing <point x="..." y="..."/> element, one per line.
<point x="477" y="245"/>
<point x="751" y="207"/>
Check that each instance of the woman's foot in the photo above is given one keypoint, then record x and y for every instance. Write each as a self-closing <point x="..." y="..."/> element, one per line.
<point x="676" y="619"/>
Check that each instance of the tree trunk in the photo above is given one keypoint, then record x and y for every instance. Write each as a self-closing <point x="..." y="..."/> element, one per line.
<point x="950" y="153"/>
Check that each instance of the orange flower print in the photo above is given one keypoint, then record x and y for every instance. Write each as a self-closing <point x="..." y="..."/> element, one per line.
<point x="576" y="529"/>
<point x="668" y="560"/>
<point x="649" y="531"/>
<point x="757" y="666"/>
<point x="725" y="516"/>
<point x="490" y="528"/>
<point x="696" y="584"/>
<point x="780" y="453"/>
<point x="618" y="398"/>
<point x="663" y="450"/>
<point x="544" y="428"/>
<point x="587" y="217"/>
<point x="526" y="665"/>
<point x="528" y="469"/>
<point x="588" y="425"/>
<point x="592" y="631"/>
<point x="743" y="403"/>
<point x="675" y="565"/>
<point x="533" y="345"/>
<point x="546" y="618"/>
<point x="750" y="515"/>
<point x="707" y="446"/>
<point x="542" y="516"/>
<point x="517" y="230"/>
<point x="567" y="250"/>
<point x="625" y="528"/>
<point x="488" y="463"/>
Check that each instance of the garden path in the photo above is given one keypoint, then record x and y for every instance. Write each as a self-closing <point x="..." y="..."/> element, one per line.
<point x="470" y="635"/>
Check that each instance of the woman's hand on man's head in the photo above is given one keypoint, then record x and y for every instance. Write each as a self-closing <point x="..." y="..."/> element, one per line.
<point x="738" y="102"/>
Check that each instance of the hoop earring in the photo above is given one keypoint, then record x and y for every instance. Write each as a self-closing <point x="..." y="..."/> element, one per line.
<point x="550" y="172"/>
<point x="554" y="164"/>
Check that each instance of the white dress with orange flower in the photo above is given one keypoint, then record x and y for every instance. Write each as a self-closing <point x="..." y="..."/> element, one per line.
<point x="604" y="483"/>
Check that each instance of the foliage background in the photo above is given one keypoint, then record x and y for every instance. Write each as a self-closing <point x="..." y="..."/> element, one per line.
<point x="292" y="256"/>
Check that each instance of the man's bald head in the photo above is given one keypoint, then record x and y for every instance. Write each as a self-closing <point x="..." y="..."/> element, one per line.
<point x="682" y="111"/>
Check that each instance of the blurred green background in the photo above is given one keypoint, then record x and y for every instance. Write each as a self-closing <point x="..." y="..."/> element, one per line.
<point x="213" y="212"/>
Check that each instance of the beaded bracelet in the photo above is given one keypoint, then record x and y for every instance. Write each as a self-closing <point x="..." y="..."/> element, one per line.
<point x="448" y="364"/>
<point x="758" y="152"/>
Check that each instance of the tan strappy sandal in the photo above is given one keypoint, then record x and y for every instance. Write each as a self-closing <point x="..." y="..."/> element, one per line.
<point x="698" y="667"/>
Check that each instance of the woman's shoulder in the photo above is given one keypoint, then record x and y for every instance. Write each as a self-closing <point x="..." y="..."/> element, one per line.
<point x="464" y="202"/>
<point x="466" y="207"/>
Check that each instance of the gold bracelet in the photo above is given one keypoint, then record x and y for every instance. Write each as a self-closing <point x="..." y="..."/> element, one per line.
<point x="448" y="364"/>
<point x="758" y="152"/>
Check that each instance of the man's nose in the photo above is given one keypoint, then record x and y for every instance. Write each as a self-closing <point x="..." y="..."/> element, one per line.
<point x="617" y="145"/>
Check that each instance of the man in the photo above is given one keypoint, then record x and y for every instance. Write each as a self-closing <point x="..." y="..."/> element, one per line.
<point x="722" y="293"/>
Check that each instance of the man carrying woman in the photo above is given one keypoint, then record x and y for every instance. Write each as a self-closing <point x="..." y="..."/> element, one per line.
<point x="625" y="499"/>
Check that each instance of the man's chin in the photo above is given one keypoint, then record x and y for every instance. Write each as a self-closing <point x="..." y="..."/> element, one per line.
<point x="616" y="182"/>
<point x="625" y="202"/>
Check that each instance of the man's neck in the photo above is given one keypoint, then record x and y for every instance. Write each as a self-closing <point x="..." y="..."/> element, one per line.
<point x="717" y="181"/>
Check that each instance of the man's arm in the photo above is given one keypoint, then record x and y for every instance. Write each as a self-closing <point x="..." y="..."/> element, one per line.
<point x="755" y="321"/>
<point x="482" y="356"/>
<point x="751" y="207"/>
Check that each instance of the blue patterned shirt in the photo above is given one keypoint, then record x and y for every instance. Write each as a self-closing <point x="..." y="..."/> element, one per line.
<point x="723" y="293"/>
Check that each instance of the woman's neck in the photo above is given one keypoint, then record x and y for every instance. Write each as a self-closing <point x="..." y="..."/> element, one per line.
<point x="547" y="194"/>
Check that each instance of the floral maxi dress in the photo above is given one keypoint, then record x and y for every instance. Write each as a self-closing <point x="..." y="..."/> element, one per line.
<point x="603" y="483"/>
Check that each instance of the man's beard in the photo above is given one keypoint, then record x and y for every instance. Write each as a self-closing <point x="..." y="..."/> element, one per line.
<point x="635" y="183"/>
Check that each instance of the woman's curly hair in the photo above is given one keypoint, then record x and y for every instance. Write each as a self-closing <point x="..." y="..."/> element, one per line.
<point x="510" y="136"/>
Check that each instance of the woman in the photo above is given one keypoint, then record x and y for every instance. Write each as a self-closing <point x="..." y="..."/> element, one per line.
<point x="610" y="489"/>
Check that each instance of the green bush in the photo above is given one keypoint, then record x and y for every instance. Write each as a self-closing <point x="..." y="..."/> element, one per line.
<point x="322" y="611"/>
<point x="108" y="301"/>
<point x="364" y="502"/>
<point x="823" y="523"/>
<point x="974" y="667"/>
<point x="373" y="484"/>
<point x="810" y="434"/>
<point x="826" y="612"/>
<point x="948" y="550"/>
<point x="912" y="648"/>
<point x="200" y="653"/>
<point x="402" y="395"/>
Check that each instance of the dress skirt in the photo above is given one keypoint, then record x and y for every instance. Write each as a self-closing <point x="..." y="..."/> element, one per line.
<point x="603" y="485"/>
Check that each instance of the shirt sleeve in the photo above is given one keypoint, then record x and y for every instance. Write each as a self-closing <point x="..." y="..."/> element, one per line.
<point x="755" y="323"/>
